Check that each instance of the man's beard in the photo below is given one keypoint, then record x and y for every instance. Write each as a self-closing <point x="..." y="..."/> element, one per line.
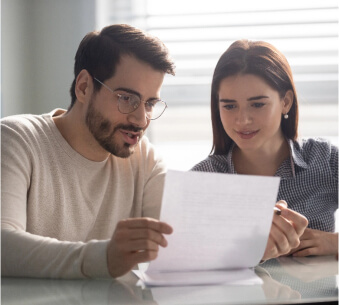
<point x="101" y="130"/>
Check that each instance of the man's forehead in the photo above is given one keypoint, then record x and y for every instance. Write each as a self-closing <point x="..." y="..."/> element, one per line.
<point x="138" y="76"/>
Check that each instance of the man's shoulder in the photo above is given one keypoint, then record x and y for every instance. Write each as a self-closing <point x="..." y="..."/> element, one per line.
<point x="22" y="121"/>
<point x="25" y="131"/>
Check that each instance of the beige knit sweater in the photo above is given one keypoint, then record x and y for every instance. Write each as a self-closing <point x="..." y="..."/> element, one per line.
<point x="59" y="209"/>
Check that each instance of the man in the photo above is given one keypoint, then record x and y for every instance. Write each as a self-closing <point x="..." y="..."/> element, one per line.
<point x="81" y="189"/>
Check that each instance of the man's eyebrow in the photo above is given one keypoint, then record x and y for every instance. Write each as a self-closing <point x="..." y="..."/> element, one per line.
<point x="131" y="91"/>
<point x="128" y="91"/>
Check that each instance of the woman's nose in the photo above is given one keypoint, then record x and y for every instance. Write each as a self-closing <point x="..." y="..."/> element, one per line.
<point x="244" y="117"/>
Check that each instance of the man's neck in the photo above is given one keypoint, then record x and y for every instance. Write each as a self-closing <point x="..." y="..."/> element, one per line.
<point x="73" y="128"/>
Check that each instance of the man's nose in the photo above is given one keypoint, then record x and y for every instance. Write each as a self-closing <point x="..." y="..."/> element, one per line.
<point x="138" y="116"/>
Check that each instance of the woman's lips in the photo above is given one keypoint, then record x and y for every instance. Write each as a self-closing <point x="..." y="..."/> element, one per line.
<point x="247" y="134"/>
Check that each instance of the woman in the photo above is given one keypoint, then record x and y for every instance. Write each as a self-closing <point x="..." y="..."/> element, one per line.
<point x="254" y="111"/>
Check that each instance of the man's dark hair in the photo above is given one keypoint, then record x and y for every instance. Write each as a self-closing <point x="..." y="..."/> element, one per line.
<point x="100" y="52"/>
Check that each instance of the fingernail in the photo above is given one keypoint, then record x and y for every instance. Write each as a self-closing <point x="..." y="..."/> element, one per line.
<point x="282" y="203"/>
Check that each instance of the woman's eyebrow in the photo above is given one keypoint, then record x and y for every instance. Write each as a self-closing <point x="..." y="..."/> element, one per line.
<point x="253" y="98"/>
<point x="259" y="97"/>
<point x="225" y="100"/>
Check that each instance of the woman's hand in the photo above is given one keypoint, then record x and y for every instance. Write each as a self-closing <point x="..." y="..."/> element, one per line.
<point x="315" y="242"/>
<point x="285" y="231"/>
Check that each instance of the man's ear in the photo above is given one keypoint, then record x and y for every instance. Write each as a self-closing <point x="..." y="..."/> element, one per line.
<point x="83" y="86"/>
<point x="288" y="101"/>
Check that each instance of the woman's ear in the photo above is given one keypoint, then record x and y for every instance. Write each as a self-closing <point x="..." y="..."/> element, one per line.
<point x="288" y="101"/>
<point x="83" y="86"/>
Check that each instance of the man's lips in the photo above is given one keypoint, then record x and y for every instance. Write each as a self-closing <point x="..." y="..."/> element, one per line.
<point x="131" y="137"/>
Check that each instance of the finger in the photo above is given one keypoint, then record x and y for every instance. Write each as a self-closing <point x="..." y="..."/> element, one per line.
<point x="306" y="252"/>
<point x="307" y="243"/>
<point x="308" y="234"/>
<point x="148" y="234"/>
<point x="150" y="223"/>
<point x="144" y="256"/>
<point x="141" y="245"/>
<point x="286" y="228"/>
<point x="271" y="250"/>
<point x="279" y="239"/>
<point x="281" y="204"/>
<point x="304" y="244"/>
<point x="299" y="221"/>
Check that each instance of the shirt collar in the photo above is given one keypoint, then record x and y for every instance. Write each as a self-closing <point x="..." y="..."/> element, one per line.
<point x="296" y="155"/>
<point x="229" y="161"/>
<point x="287" y="169"/>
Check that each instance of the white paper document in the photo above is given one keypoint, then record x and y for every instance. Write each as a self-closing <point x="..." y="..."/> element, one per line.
<point x="221" y="224"/>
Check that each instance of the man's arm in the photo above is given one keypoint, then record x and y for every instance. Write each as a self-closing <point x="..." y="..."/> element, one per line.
<point x="28" y="255"/>
<point x="31" y="255"/>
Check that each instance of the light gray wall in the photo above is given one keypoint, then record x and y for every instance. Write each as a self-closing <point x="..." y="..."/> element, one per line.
<point x="39" y="39"/>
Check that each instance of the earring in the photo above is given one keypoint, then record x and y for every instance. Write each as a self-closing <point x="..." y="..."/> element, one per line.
<point x="285" y="116"/>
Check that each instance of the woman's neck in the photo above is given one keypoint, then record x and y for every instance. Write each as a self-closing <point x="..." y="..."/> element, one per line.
<point x="264" y="162"/>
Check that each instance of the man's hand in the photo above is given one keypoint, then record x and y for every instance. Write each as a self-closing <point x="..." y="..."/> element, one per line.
<point x="135" y="240"/>
<point x="285" y="231"/>
<point x="315" y="242"/>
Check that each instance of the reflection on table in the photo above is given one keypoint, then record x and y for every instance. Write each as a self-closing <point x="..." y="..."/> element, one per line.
<point x="286" y="280"/>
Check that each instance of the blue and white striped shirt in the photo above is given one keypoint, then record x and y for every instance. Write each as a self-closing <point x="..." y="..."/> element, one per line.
<point x="309" y="179"/>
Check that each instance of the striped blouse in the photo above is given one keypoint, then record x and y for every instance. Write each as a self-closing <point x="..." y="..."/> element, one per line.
<point x="308" y="179"/>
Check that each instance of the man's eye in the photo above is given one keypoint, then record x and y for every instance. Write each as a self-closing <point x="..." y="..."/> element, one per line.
<point x="150" y="104"/>
<point x="125" y="98"/>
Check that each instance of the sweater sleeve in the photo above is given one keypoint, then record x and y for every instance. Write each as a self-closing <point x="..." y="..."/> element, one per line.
<point x="29" y="255"/>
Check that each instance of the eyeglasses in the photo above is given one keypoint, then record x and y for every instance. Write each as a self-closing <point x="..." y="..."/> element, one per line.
<point x="127" y="103"/>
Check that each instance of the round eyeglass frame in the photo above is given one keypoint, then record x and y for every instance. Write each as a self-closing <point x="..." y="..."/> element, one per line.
<point x="134" y="108"/>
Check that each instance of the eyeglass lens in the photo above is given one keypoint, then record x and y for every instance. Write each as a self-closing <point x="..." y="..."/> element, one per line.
<point x="129" y="103"/>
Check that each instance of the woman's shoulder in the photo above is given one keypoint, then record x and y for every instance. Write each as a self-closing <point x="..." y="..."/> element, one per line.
<point x="316" y="151"/>
<point x="214" y="164"/>
<point x="315" y="146"/>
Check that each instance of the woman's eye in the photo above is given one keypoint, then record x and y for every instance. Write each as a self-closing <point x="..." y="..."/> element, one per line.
<point x="258" y="105"/>
<point x="229" y="106"/>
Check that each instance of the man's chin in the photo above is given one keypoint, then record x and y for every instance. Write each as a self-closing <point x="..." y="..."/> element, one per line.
<point x="124" y="155"/>
<point x="124" y="152"/>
